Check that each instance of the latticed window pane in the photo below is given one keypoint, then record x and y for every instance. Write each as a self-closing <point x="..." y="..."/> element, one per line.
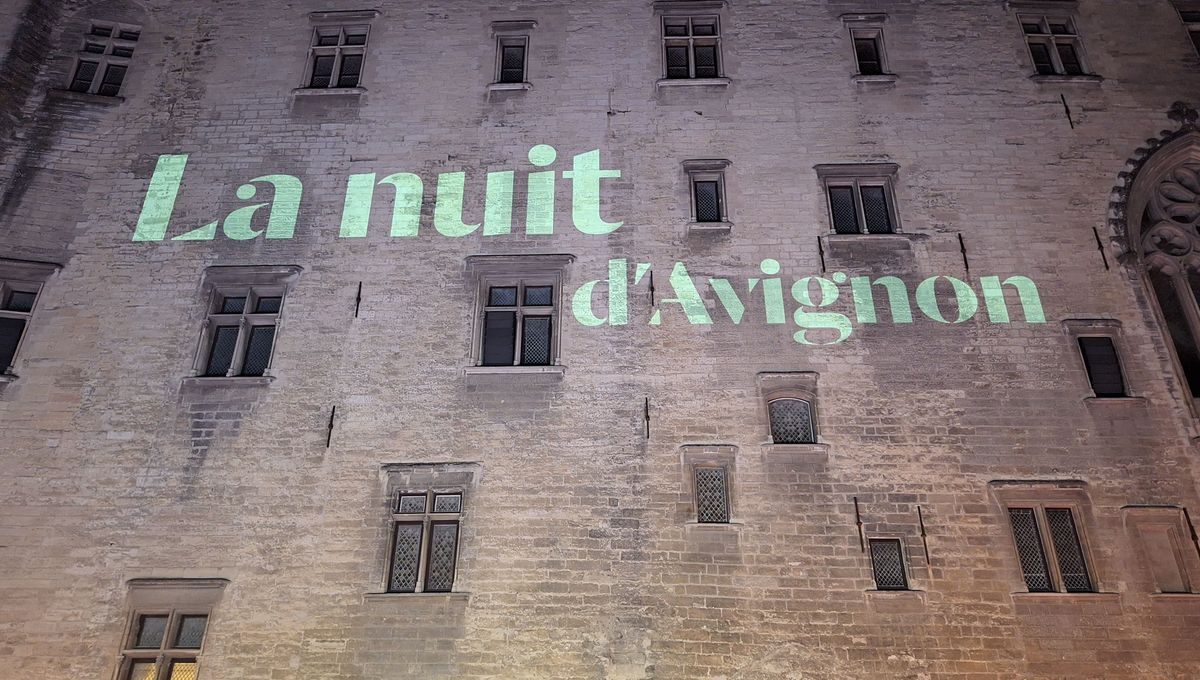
<point x="791" y="421"/>
<point x="539" y="296"/>
<point x="350" y="70"/>
<point x="233" y="305"/>
<point x="191" y="632"/>
<point x="704" y="27"/>
<point x="114" y="75"/>
<point x="499" y="336"/>
<point x="411" y="503"/>
<point x="675" y="27"/>
<point x="183" y="670"/>
<point x="712" y="495"/>
<point x="268" y="305"/>
<point x="258" y="350"/>
<point x="443" y="546"/>
<point x="1068" y="550"/>
<point x="20" y="301"/>
<point x="447" y="502"/>
<point x="875" y="210"/>
<point x="502" y="296"/>
<point x="1029" y="549"/>
<point x="1103" y="367"/>
<point x="887" y="561"/>
<point x="867" y="52"/>
<point x="708" y="201"/>
<point x="328" y="37"/>
<point x="84" y="73"/>
<point x="535" y="341"/>
<point x="151" y="630"/>
<point x="221" y="355"/>
<point x="141" y="670"/>
<point x="1069" y="58"/>
<point x="706" y="61"/>
<point x="322" y="71"/>
<point x="356" y="36"/>
<point x="512" y="63"/>
<point x="844" y="210"/>
<point x="677" y="61"/>
<point x="406" y="558"/>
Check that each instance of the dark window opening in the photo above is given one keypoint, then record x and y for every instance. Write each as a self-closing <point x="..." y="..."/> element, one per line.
<point x="867" y="52"/>
<point x="1103" y="366"/>
<point x="322" y="71"/>
<point x="85" y="72"/>
<point x="512" y="63"/>
<point x="1029" y="549"/>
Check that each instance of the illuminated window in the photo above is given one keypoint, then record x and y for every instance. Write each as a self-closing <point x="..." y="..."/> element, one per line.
<point x="20" y="283"/>
<point x="168" y="628"/>
<point x="424" y="541"/>
<point x="1190" y="15"/>
<point x="1053" y="44"/>
<point x="887" y="563"/>
<point x="243" y="319"/>
<point x="691" y="47"/>
<point x="860" y="197"/>
<point x="101" y="63"/>
<point x="1049" y="549"/>
<point x="336" y="56"/>
<point x="517" y="320"/>
<point x="712" y="494"/>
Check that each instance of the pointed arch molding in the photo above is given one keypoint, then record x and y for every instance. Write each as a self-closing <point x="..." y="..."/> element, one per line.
<point x="1139" y="182"/>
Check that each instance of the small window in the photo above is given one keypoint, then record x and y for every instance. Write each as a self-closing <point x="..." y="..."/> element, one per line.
<point x="241" y="331"/>
<point x="103" y="59"/>
<point x="712" y="495"/>
<point x="1103" y="367"/>
<point x="336" y="56"/>
<point x="1050" y="550"/>
<point x="706" y="179"/>
<point x="511" y="56"/>
<point x="868" y="51"/>
<point x="887" y="563"/>
<point x="691" y="47"/>
<point x="1191" y="21"/>
<point x="1053" y="44"/>
<point x="860" y="198"/>
<point x="518" y="321"/>
<point x="424" y="542"/>
<point x="166" y="642"/>
<point x="20" y="284"/>
<point x="791" y="421"/>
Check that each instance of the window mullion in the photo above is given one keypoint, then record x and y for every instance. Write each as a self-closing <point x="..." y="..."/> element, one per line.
<point x="1056" y="579"/>
<point x="239" y="347"/>
<point x="422" y="562"/>
<point x="860" y="212"/>
<point x="519" y="349"/>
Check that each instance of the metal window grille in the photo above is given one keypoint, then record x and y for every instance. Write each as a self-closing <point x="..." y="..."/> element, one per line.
<point x="102" y="61"/>
<point x="859" y="206"/>
<point x="518" y="325"/>
<point x="1053" y="44"/>
<point x="240" y="332"/>
<point x="691" y="47"/>
<point x="1068" y="550"/>
<point x="425" y="542"/>
<point x="17" y="300"/>
<point x="336" y="56"/>
<point x="887" y="562"/>
<point x="1029" y="549"/>
<point x="1103" y="366"/>
<point x="164" y="645"/>
<point x="791" y="421"/>
<point x="707" y="194"/>
<point x="511" y="59"/>
<point x="712" y="495"/>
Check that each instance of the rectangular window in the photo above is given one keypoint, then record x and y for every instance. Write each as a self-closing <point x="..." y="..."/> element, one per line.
<point x="239" y="336"/>
<point x="424" y="541"/>
<point x="861" y="205"/>
<point x="1167" y="545"/>
<point x="524" y="310"/>
<point x="511" y="58"/>
<point x="1103" y="366"/>
<point x="707" y="195"/>
<point x="868" y="50"/>
<point x="17" y="299"/>
<point x="706" y="180"/>
<point x="1191" y="21"/>
<point x="712" y="495"/>
<point x="1049" y="549"/>
<point x="168" y="628"/>
<point x="887" y="563"/>
<point x="691" y="47"/>
<point x="103" y="59"/>
<point x="336" y="56"/>
<point x="1053" y="44"/>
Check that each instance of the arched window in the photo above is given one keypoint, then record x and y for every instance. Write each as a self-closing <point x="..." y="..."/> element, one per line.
<point x="791" y="421"/>
<point x="1163" y="213"/>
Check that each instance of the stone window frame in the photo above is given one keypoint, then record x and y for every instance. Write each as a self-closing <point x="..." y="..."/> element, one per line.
<point x="487" y="271"/>
<point x="509" y="34"/>
<point x="172" y="597"/>
<point x="856" y="176"/>
<point x="1074" y="329"/>
<point x="905" y="563"/>
<point x="790" y="385"/>
<point x="427" y="518"/>
<point x="1189" y="16"/>
<point x="25" y="276"/>
<point x="1039" y="495"/>
<point x="708" y="170"/>
<point x="1174" y="521"/>
<point x="868" y="26"/>
<point x="253" y="282"/>
<point x="327" y="21"/>
<point x="106" y="58"/>
<point x="691" y="9"/>
<point x="697" y="456"/>
<point x="429" y="478"/>
<point x="1043" y="12"/>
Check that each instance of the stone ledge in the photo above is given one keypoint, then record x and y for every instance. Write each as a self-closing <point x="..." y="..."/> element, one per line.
<point x="329" y="91"/>
<point x="1058" y="79"/>
<point x="874" y="78"/>
<point x="198" y="382"/>
<point x="700" y="228"/>
<point x="84" y="97"/>
<point x="798" y="453"/>
<point x="509" y="87"/>
<point x="404" y="596"/>
<point x="1065" y="598"/>
<point x="692" y="82"/>
<point x="556" y="370"/>
<point x="1118" y="402"/>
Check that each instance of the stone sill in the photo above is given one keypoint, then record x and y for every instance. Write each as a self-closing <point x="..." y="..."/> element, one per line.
<point x="329" y="91"/>
<point x="193" y="382"/>
<point x="514" y="370"/>
<point x="709" y="227"/>
<point x="874" y="78"/>
<point x="691" y="82"/>
<point x="509" y="87"/>
<point x="383" y="597"/>
<point x="85" y="98"/>
<point x="1116" y="401"/>
<point x="6" y="378"/>
<point x="714" y="528"/>
<point x="1064" y="598"/>
<point x="798" y="453"/>
<point x="1057" y="79"/>
<point x="878" y="239"/>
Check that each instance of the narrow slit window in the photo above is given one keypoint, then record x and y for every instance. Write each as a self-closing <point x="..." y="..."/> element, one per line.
<point x="712" y="495"/>
<point x="1103" y="366"/>
<point x="17" y="300"/>
<point x="868" y="51"/>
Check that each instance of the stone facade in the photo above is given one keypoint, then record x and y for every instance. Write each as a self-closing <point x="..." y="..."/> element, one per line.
<point x="579" y="555"/>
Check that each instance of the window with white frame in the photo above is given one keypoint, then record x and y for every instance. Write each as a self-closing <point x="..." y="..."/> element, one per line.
<point x="424" y="541"/>
<point x="101" y="63"/>
<point x="168" y="628"/>
<point x="861" y="197"/>
<point x="691" y="46"/>
<point x="707" y="188"/>
<point x="335" y="58"/>
<point x="519" y="303"/>
<point x="242" y="320"/>
<point x="1054" y="44"/>
<point x="20" y="284"/>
